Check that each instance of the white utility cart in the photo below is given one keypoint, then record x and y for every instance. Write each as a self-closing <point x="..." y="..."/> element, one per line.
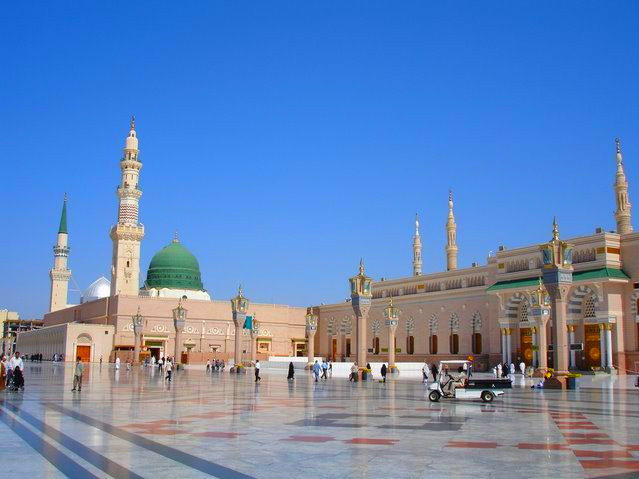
<point x="484" y="389"/>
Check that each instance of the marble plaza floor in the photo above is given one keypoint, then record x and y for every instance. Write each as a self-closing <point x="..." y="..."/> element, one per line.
<point x="133" y="425"/>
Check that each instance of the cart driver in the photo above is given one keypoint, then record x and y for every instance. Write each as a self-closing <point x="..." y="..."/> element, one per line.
<point x="457" y="382"/>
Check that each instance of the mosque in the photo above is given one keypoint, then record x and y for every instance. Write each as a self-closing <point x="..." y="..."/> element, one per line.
<point x="582" y="318"/>
<point x="102" y="325"/>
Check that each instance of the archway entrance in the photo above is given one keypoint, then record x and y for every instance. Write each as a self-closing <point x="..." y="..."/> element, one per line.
<point x="83" y="352"/>
<point x="592" y="346"/>
<point x="525" y="341"/>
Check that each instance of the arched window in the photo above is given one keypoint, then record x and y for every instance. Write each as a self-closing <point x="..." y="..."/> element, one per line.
<point x="433" y="344"/>
<point x="589" y="307"/>
<point x="454" y="343"/>
<point x="523" y="311"/>
<point x="410" y="344"/>
<point x="375" y="345"/>
<point x="476" y="343"/>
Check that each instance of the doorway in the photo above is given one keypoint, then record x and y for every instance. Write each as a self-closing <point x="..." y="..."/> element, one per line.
<point x="525" y="340"/>
<point x="334" y="349"/>
<point x="83" y="352"/>
<point x="592" y="346"/>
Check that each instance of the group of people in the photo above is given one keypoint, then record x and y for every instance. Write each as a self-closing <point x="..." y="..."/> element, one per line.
<point x="11" y="372"/>
<point x="503" y="370"/>
<point x="216" y="365"/>
<point x="320" y="371"/>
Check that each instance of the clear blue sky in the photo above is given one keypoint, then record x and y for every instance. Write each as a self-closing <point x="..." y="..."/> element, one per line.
<point x="284" y="140"/>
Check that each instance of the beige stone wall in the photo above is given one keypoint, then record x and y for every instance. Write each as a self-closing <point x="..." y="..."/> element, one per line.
<point x="63" y="339"/>
<point x="279" y="324"/>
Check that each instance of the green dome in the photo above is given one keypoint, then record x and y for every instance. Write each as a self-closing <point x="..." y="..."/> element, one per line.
<point x="174" y="267"/>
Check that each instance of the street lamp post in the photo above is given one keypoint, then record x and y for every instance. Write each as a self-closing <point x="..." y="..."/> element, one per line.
<point x="311" y="329"/>
<point x="391" y="316"/>
<point x="255" y="329"/>
<point x="138" y="324"/>
<point x="239" y="304"/>
<point x="557" y="272"/>
<point x="541" y="314"/>
<point x="179" y="320"/>
<point x="361" y="295"/>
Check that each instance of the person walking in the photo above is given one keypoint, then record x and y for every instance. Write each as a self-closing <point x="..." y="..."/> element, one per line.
<point x="354" y="370"/>
<point x="117" y="363"/>
<point x="4" y="365"/>
<point x="169" y="369"/>
<point x="161" y="364"/>
<point x="100" y="360"/>
<point x="522" y="368"/>
<point x="324" y="370"/>
<point x="208" y="365"/>
<point x="499" y="366"/>
<point x="425" y="372"/>
<point x="512" y="369"/>
<point x="383" y="372"/>
<point x="77" y="375"/>
<point x="316" y="370"/>
<point x="257" y="371"/>
<point x="433" y="371"/>
<point x="291" y="371"/>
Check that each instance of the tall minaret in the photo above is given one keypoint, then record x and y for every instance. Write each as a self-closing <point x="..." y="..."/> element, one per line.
<point x="60" y="275"/>
<point x="417" y="250"/>
<point x="127" y="233"/>
<point x="622" y="215"/>
<point x="451" y="235"/>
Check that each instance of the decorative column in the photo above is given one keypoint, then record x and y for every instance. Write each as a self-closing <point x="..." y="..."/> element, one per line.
<point x="255" y="329"/>
<point x="509" y="346"/>
<point x="502" y="332"/>
<point x="571" y="340"/>
<point x="361" y="296"/>
<point x="138" y="324"/>
<point x="311" y="329"/>
<point x="391" y="315"/>
<point x="609" y="363"/>
<point x="540" y="312"/>
<point x="535" y="356"/>
<point x="239" y="304"/>
<point x="557" y="271"/>
<point x="179" y="320"/>
<point x="602" y="346"/>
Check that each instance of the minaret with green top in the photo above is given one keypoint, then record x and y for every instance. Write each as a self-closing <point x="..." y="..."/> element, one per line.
<point x="60" y="274"/>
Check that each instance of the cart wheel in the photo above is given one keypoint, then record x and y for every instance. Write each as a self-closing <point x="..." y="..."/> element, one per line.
<point x="487" y="396"/>
<point x="434" y="396"/>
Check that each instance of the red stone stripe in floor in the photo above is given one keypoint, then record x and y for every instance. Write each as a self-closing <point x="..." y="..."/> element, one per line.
<point x="632" y="447"/>
<point x="543" y="446"/>
<point x="610" y="463"/>
<point x="586" y="435"/>
<point x="603" y="454"/>
<point x="218" y="434"/>
<point x="159" y="431"/>
<point x="605" y="442"/>
<point x="372" y="442"/>
<point x="573" y="423"/>
<point x="331" y="407"/>
<point x="569" y="427"/>
<point x="309" y="438"/>
<point x="473" y="444"/>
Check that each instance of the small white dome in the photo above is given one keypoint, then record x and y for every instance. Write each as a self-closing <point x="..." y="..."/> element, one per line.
<point x="100" y="288"/>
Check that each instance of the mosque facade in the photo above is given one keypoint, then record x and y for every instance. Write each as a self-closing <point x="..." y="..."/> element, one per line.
<point x="491" y="311"/>
<point x="495" y="312"/>
<point x="101" y="326"/>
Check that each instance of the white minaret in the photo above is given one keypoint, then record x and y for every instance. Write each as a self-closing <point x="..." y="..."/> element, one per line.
<point x="417" y="250"/>
<point x="127" y="233"/>
<point x="451" y="235"/>
<point x="60" y="275"/>
<point x="622" y="215"/>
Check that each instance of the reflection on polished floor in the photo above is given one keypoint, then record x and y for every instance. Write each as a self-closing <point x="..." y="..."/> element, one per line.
<point x="130" y="424"/>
